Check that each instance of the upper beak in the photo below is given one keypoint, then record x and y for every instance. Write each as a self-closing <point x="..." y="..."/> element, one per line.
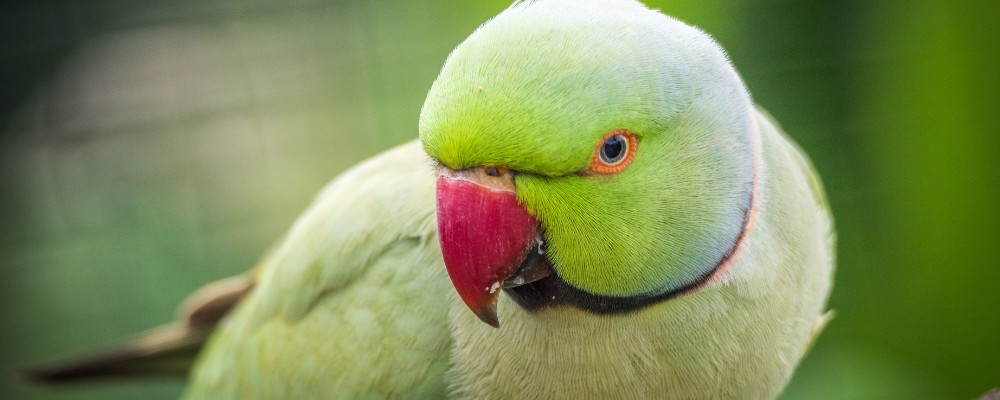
<point x="486" y="236"/>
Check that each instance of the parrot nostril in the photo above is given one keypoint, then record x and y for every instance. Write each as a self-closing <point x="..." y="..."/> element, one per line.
<point x="492" y="171"/>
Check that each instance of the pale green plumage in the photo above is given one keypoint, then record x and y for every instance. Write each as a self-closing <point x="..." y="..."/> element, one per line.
<point x="351" y="304"/>
<point x="355" y="301"/>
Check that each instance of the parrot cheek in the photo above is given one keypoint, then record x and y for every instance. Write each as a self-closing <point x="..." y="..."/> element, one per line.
<point x="485" y="234"/>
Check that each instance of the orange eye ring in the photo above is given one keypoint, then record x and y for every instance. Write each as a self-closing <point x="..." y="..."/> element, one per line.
<point x="614" y="153"/>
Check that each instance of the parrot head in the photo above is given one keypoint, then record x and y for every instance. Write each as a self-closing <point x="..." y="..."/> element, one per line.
<point x="593" y="154"/>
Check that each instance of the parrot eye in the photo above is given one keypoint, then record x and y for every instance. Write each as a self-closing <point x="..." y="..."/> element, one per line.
<point x="614" y="153"/>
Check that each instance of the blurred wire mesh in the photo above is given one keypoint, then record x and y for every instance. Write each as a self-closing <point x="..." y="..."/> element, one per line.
<point x="151" y="146"/>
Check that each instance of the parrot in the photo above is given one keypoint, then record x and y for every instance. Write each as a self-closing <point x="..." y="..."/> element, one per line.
<point x="594" y="207"/>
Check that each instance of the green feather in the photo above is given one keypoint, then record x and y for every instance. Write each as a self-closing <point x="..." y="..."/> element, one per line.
<point x="351" y="304"/>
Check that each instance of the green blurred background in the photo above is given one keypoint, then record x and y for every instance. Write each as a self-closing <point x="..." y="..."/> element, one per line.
<point x="150" y="146"/>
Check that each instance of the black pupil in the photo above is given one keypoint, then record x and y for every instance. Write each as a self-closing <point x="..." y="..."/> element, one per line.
<point x="613" y="150"/>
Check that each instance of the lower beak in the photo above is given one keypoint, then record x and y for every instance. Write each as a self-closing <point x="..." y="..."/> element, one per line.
<point x="486" y="235"/>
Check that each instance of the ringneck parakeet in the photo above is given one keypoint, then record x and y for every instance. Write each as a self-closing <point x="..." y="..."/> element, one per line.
<point x="592" y="181"/>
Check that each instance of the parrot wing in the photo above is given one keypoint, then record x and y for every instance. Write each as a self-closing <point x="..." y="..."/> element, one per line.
<point x="352" y="303"/>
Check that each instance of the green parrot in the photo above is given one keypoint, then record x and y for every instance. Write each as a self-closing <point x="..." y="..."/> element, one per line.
<point x="592" y="181"/>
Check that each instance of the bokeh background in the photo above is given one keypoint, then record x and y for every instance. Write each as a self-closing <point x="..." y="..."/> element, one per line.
<point x="150" y="146"/>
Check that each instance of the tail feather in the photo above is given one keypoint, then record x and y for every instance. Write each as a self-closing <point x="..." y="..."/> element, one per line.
<point x="166" y="351"/>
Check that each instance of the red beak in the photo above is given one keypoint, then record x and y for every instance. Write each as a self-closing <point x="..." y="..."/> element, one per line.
<point x="485" y="234"/>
